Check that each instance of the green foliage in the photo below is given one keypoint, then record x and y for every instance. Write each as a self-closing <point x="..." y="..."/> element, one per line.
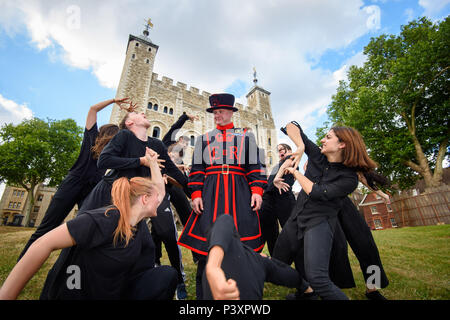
<point x="35" y="150"/>
<point x="399" y="100"/>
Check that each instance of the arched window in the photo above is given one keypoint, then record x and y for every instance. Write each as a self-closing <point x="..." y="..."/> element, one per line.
<point x="149" y="106"/>
<point x="165" y="110"/>
<point x="171" y="111"/>
<point x="156" y="132"/>
<point x="155" y="107"/>
<point x="192" y="140"/>
<point x="269" y="141"/>
<point x="133" y="56"/>
<point x="147" y="61"/>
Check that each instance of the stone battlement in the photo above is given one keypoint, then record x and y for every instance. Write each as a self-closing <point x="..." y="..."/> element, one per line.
<point x="168" y="83"/>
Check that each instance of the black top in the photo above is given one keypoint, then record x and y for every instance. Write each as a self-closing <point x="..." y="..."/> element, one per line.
<point x="288" y="178"/>
<point x="332" y="183"/>
<point x="86" y="166"/>
<point x="103" y="267"/>
<point x="122" y="155"/>
<point x="249" y="269"/>
<point x="169" y="137"/>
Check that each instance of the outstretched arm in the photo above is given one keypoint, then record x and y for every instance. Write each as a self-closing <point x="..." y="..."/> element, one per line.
<point x="33" y="259"/>
<point x="92" y="114"/>
<point x="221" y="288"/>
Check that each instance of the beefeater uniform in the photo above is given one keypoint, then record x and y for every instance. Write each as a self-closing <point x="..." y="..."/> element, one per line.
<point x="226" y="171"/>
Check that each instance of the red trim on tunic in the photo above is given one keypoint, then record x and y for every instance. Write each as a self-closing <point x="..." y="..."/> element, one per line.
<point x="225" y="187"/>
<point x="260" y="181"/>
<point x="257" y="190"/>
<point x="258" y="170"/>
<point x="196" y="172"/>
<point x="216" y="197"/>
<point x="193" y="183"/>
<point x="196" y="194"/>
<point x="234" y="203"/>
<point x="242" y="143"/>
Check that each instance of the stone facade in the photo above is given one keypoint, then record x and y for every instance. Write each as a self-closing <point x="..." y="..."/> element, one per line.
<point x="13" y="205"/>
<point x="164" y="102"/>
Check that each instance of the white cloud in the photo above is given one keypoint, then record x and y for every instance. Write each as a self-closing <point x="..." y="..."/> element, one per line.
<point x="207" y="44"/>
<point x="12" y="112"/>
<point x="433" y="7"/>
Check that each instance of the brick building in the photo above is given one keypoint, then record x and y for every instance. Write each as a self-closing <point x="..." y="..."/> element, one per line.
<point x="377" y="213"/>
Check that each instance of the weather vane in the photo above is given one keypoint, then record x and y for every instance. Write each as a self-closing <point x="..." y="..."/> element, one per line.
<point x="148" y="24"/>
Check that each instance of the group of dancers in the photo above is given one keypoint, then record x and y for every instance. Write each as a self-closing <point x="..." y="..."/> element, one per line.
<point x="123" y="180"/>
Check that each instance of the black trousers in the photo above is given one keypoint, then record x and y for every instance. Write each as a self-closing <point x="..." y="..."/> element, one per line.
<point x="180" y="202"/>
<point x="164" y="230"/>
<point x="72" y="190"/>
<point x="157" y="283"/>
<point x="275" y="208"/>
<point x="360" y="239"/>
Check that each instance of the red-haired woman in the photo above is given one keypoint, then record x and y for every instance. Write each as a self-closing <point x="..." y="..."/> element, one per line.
<point x="84" y="174"/>
<point x="114" y="256"/>
<point x="329" y="178"/>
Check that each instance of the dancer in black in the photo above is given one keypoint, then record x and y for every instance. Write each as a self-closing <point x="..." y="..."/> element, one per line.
<point x="164" y="230"/>
<point x="359" y="235"/>
<point x="236" y="271"/>
<point x="115" y="252"/>
<point x="331" y="175"/>
<point x="277" y="204"/>
<point x="84" y="174"/>
<point x="125" y="156"/>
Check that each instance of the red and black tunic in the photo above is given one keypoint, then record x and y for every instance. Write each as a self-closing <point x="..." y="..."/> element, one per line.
<point x="226" y="170"/>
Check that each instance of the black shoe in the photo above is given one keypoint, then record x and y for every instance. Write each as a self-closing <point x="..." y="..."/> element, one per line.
<point x="375" y="295"/>
<point x="302" y="296"/>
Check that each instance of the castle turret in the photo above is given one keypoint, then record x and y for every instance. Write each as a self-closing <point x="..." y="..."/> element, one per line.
<point x="137" y="73"/>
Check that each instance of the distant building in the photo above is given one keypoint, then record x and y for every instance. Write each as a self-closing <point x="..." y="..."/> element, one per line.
<point x="377" y="213"/>
<point x="13" y="205"/>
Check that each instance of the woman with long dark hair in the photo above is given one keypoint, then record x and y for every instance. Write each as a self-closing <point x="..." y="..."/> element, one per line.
<point x="331" y="175"/>
<point x="114" y="256"/>
<point x="84" y="174"/>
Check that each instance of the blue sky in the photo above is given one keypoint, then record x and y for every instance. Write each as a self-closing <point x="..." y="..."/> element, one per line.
<point x="59" y="57"/>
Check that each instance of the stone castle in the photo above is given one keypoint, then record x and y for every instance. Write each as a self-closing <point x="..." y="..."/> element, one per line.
<point x="164" y="102"/>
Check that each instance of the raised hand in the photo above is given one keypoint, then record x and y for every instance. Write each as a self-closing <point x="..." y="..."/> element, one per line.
<point x="281" y="185"/>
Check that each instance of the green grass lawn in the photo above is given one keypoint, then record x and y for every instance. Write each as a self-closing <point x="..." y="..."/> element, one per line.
<point x="416" y="261"/>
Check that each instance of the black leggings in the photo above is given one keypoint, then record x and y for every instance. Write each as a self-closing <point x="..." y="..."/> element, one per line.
<point x="275" y="207"/>
<point x="164" y="230"/>
<point x="361" y="241"/>
<point x="157" y="283"/>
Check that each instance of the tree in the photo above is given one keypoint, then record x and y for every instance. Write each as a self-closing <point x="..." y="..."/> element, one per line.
<point x="35" y="151"/>
<point x="399" y="102"/>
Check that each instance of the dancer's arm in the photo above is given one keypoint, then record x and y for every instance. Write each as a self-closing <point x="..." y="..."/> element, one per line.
<point x="33" y="259"/>
<point x="92" y="114"/>
<point x="221" y="288"/>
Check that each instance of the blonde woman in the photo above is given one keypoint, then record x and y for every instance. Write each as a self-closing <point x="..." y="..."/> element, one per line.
<point x="114" y="255"/>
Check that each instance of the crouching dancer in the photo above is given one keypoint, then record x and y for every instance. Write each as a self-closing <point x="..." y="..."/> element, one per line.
<point x="235" y="271"/>
<point x="115" y="252"/>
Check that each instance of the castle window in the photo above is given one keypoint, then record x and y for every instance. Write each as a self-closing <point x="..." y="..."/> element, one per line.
<point x="156" y="132"/>
<point x="133" y="56"/>
<point x="192" y="140"/>
<point x="137" y="44"/>
<point x="149" y="49"/>
<point x="155" y="107"/>
<point x="149" y="106"/>
<point x="147" y="61"/>
<point x="269" y="141"/>
<point x="171" y="111"/>
<point x="165" y="110"/>
<point x="40" y="197"/>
